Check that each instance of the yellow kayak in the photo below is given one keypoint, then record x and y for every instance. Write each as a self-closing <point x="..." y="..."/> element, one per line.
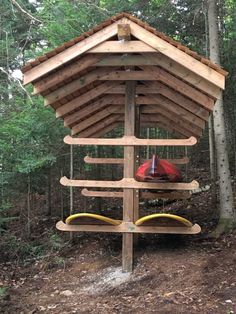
<point x="72" y="218"/>
<point x="144" y="219"/>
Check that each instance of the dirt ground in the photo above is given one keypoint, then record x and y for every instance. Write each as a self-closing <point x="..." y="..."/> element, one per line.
<point x="172" y="274"/>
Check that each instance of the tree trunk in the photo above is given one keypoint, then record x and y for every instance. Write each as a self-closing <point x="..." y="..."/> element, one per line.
<point x="227" y="214"/>
<point x="49" y="193"/>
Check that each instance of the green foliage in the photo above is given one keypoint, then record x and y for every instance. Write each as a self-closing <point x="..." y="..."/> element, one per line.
<point x="56" y="241"/>
<point x="4" y="219"/>
<point x="3" y="291"/>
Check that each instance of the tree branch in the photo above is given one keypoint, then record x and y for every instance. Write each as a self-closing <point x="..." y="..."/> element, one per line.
<point x="25" y="12"/>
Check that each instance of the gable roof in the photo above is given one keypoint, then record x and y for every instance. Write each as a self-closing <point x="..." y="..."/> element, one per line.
<point x="83" y="80"/>
<point x="111" y="20"/>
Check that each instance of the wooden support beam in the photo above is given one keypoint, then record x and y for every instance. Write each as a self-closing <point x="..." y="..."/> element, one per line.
<point x="167" y="121"/>
<point x="174" y="120"/>
<point x="65" y="73"/>
<point x="172" y="195"/>
<point x="177" y="55"/>
<point x="83" y="99"/>
<point x="124" y="60"/>
<point x="129" y="172"/>
<point x="185" y="74"/>
<point x="74" y="86"/>
<point x="91" y="160"/>
<point x="180" y="86"/>
<point x="132" y="46"/>
<point x="104" y="123"/>
<point x="123" y="32"/>
<point x="130" y="183"/>
<point x="162" y="104"/>
<point x="71" y="52"/>
<point x="89" y="109"/>
<point x="180" y="100"/>
<point x="130" y="140"/>
<point x="86" y="192"/>
<point x="120" y="161"/>
<point x="105" y="130"/>
<point x="128" y="227"/>
<point x="93" y="119"/>
<point x="159" y="88"/>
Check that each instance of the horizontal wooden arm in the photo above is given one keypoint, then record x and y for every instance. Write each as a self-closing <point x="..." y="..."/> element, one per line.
<point x="130" y="141"/>
<point x="91" y="160"/>
<point x="128" y="227"/>
<point x="130" y="183"/>
<point x="173" y="195"/>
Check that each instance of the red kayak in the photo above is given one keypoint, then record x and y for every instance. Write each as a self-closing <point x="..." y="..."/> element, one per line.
<point x="158" y="170"/>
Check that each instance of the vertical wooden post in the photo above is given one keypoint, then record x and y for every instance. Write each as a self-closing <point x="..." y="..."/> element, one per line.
<point x="129" y="169"/>
<point x="71" y="188"/>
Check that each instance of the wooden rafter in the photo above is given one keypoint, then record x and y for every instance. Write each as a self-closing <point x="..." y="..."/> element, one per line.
<point x="105" y="129"/>
<point x="122" y="47"/>
<point x="71" y="52"/>
<point x="75" y="85"/>
<point x="83" y="99"/>
<point x="93" y="107"/>
<point x="198" y="112"/>
<point x="97" y="127"/>
<point x="178" y="124"/>
<point x="177" y="55"/>
<point x="179" y="99"/>
<point x="181" y="87"/>
<point x="172" y="109"/>
<point x="65" y="73"/>
<point x="93" y="119"/>
<point x="185" y="74"/>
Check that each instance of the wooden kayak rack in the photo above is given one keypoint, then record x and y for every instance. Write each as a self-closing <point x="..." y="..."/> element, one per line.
<point x="132" y="191"/>
<point x="123" y="73"/>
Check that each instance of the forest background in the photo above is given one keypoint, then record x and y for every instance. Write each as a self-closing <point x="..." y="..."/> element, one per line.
<point x="32" y="154"/>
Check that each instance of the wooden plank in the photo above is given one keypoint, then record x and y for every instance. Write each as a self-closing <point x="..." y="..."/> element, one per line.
<point x="92" y="160"/>
<point x="129" y="172"/>
<point x="86" y="192"/>
<point x="173" y="195"/>
<point x="162" y="104"/>
<point x="89" y="109"/>
<point x="175" y="121"/>
<point x="160" y="119"/>
<point x="92" y="130"/>
<point x="83" y="99"/>
<point x="71" y="53"/>
<point x="124" y="60"/>
<point x="128" y="227"/>
<point x="123" y="32"/>
<point x="93" y="119"/>
<point x="130" y="140"/>
<point x="65" y="73"/>
<point x="104" y="130"/>
<point x="177" y="55"/>
<point x="179" y="99"/>
<point x="130" y="183"/>
<point x="121" y="47"/>
<point x="184" y="73"/>
<point x="74" y="86"/>
<point x="180" y="86"/>
<point x="169" y="93"/>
